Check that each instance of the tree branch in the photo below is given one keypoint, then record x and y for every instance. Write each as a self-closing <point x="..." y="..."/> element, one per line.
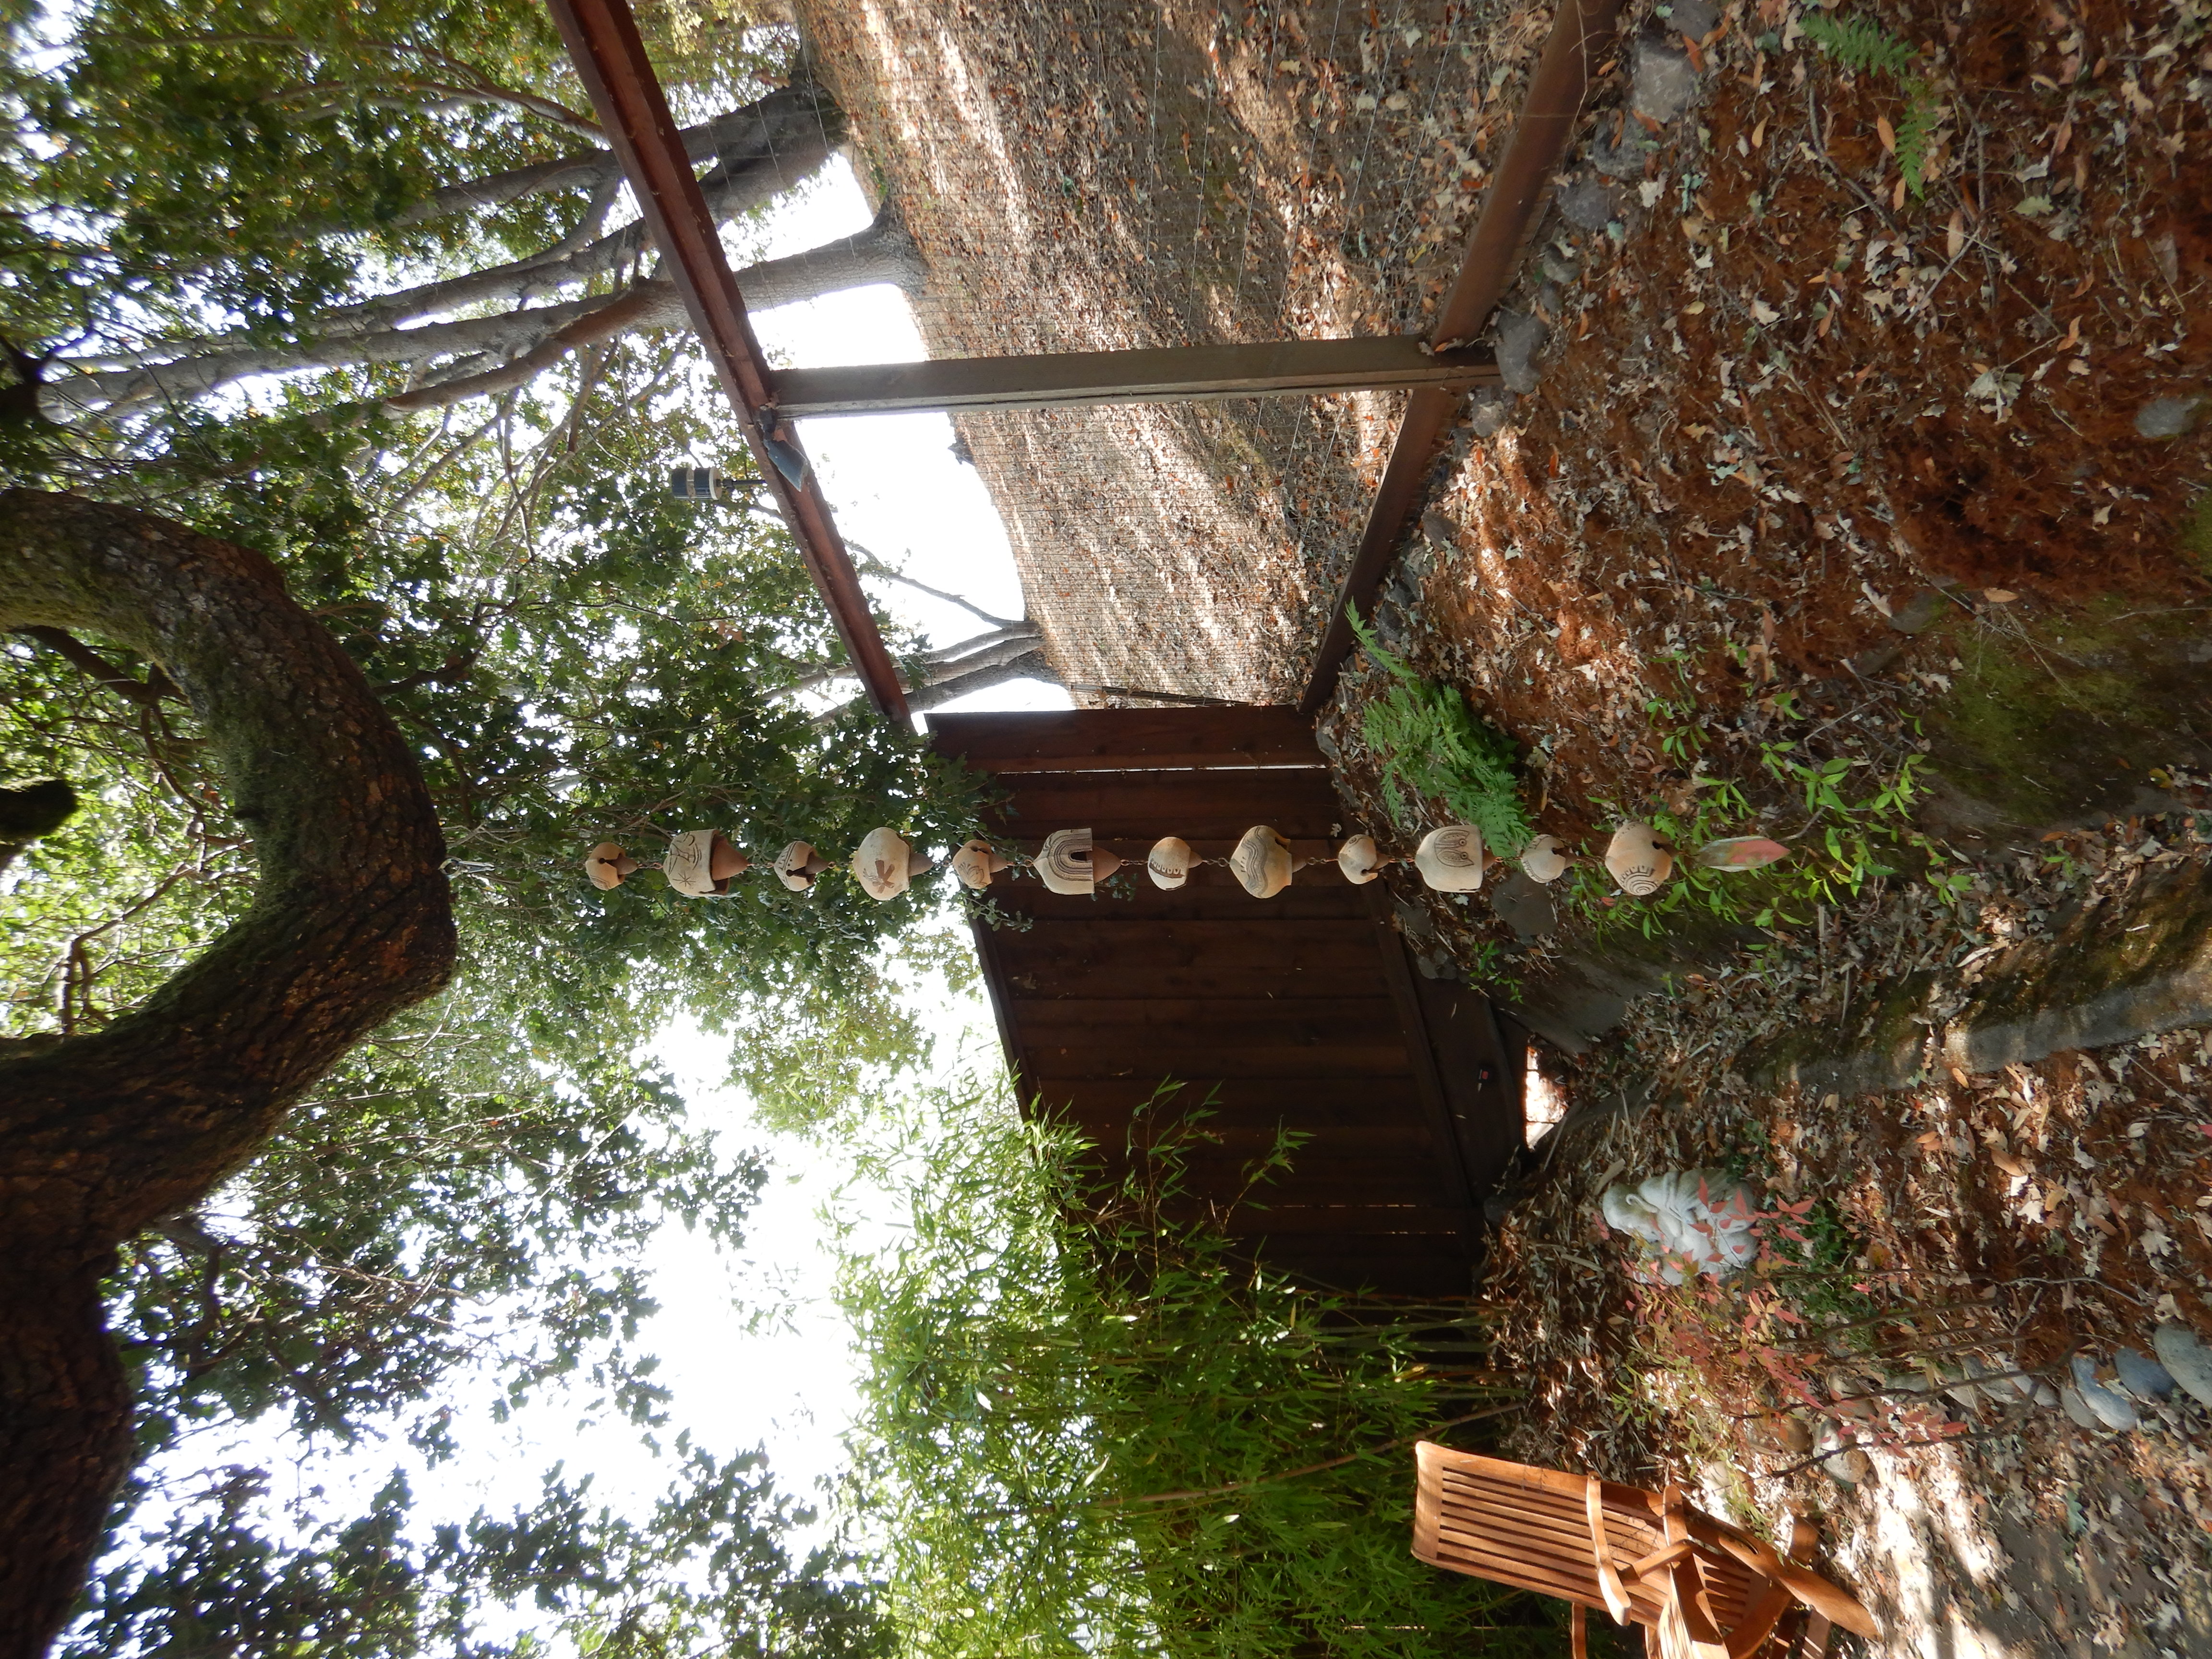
<point x="872" y="564"/>
<point x="146" y="693"/>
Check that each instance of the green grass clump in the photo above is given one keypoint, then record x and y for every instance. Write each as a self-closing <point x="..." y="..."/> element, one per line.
<point x="1428" y="742"/>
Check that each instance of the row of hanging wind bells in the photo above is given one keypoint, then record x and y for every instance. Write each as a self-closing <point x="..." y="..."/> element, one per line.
<point x="704" y="863"/>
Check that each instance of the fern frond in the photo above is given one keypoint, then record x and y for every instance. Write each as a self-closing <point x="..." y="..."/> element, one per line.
<point x="1858" y="45"/>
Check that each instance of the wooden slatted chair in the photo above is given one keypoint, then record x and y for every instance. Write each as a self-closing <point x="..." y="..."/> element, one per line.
<point x="1709" y="1590"/>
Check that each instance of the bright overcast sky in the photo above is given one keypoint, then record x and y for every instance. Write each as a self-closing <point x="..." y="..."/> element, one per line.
<point x="896" y="489"/>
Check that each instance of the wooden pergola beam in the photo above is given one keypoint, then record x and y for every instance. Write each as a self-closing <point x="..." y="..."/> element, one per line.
<point x="1203" y="374"/>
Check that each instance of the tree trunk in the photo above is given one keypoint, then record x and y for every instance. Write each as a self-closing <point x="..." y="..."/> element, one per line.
<point x="521" y="344"/>
<point x="104" y="1133"/>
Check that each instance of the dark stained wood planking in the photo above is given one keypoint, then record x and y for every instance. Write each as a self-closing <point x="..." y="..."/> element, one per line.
<point x="1049" y="1015"/>
<point x="1118" y="807"/>
<point x="1078" y="739"/>
<point x="1212" y="895"/>
<point x="1059" y="1062"/>
<point x="1301" y="1013"/>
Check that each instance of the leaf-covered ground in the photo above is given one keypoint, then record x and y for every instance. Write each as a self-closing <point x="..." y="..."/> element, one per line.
<point x="2015" y="1218"/>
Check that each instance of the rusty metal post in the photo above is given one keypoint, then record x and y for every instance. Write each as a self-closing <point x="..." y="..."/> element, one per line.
<point x="1511" y="209"/>
<point x="602" y="42"/>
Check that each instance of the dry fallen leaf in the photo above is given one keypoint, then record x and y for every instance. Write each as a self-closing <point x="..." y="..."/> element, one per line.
<point x="1955" y="239"/>
<point x="1999" y="595"/>
<point x="1888" y="133"/>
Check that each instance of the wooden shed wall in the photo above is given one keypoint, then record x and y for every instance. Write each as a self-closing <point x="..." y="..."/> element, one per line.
<point x="1301" y="1012"/>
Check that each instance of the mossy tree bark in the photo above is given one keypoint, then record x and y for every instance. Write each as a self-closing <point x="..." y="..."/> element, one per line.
<point x="103" y="1133"/>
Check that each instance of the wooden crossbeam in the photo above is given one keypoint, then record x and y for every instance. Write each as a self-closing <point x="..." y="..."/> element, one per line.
<point x="1273" y="368"/>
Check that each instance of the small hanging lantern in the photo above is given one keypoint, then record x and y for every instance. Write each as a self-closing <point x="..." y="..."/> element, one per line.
<point x="1639" y="860"/>
<point x="607" y="864"/>
<point x="1360" y="859"/>
<point x="1261" y="862"/>
<point x="1544" y="859"/>
<point x="701" y="862"/>
<point x="1168" y="864"/>
<point x="798" y="865"/>
<point x="885" y="864"/>
<point x="1450" y="858"/>
<point x="1740" y="852"/>
<point x="1070" y="864"/>
<point x="975" y="863"/>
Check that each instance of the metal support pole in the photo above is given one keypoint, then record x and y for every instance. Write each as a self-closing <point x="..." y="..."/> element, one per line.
<point x="1277" y="368"/>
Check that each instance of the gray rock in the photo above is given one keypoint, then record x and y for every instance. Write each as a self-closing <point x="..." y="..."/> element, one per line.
<point x="1414" y="922"/>
<point x="2077" y="1409"/>
<point x="1439" y="528"/>
<point x="1589" y="205"/>
<point x="2118" y="973"/>
<point x="1325" y="740"/>
<point x="1695" y="18"/>
<point x="1921" y="612"/>
<point x="2187" y="1359"/>
<point x="2113" y="1410"/>
<point x="2168" y="417"/>
<point x="1524" y="905"/>
<point x="1876" y="660"/>
<point x="1392" y="627"/>
<point x="1621" y="157"/>
<point x="1487" y="412"/>
<point x="1558" y="267"/>
<point x="2141" y="1375"/>
<point x="1665" y="84"/>
<point x="1519" y="334"/>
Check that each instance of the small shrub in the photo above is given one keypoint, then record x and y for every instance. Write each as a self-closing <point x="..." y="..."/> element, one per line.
<point x="1428" y="742"/>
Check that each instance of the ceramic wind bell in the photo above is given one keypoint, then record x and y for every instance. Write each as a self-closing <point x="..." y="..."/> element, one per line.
<point x="976" y="862"/>
<point x="1070" y="863"/>
<point x="607" y="864"/>
<point x="799" y="865"/>
<point x="884" y="864"/>
<point x="1261" y="862"/>
<point x="701" y="862"/>
<point x="1360" y="859"/>
<point x="704" y="863"/>
<point x="1169" y="863"/>
<point x="1450" y="858"/>
<point x="1544" y="859"/>
<point x="1639" y="860"/>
